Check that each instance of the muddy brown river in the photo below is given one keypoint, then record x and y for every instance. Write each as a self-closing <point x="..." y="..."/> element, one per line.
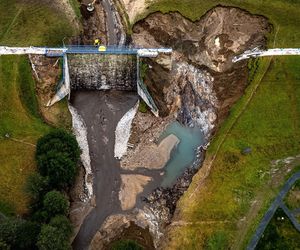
<point x="101" y="111"/>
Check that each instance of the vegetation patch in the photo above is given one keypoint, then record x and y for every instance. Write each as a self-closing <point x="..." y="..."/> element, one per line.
<point x="22" y="23"/>
<point x="47" y="226"/>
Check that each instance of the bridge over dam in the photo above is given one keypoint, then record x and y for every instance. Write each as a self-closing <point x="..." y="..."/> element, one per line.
<point x="96" y="68"/>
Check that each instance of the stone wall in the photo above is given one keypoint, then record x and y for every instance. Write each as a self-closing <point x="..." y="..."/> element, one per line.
<point x="103" y="72"/>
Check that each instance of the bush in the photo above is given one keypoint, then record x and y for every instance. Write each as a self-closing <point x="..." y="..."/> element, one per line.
<point x="59" y="141"/>
<point x="55" y="204"/>
<point x="143" y="107"/>
<point x="62" y="224"/>
<point x="126" y="245"/>
<point x="58" y="167"/>
<point x="51" y="239"/>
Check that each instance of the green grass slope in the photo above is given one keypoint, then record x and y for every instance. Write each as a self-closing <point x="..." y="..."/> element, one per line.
<point x="224" y="210"/>
<point x="22" y="23"/>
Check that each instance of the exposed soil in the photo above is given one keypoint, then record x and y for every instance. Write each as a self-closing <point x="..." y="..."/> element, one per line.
<point x="208" y="44"/>
<point x="135" y="7"/>
<point x="131" y="186"/>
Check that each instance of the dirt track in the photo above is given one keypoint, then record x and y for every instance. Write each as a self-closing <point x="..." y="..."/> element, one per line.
<point x="101" y="112"/>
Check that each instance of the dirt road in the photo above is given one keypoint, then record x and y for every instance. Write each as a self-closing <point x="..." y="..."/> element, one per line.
<point x="101" y="112"/>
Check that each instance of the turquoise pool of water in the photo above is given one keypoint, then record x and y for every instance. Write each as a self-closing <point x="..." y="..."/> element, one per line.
<point x="184" y="154"/>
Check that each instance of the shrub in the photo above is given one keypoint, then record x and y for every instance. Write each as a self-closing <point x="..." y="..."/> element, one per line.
<point x="50" y="238"/>
<point x="143" y="107"/>
<point x="55" y="204"/>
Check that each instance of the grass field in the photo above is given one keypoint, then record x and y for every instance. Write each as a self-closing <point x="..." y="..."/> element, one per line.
<point x="224" y="210"/>
<point x="22" y="23"/>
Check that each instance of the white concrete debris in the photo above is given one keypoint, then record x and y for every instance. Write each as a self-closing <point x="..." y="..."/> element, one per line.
<point x="152" y="52"/>
<point x="80" y="132"/>
<point x="34" y="69"/>
<point x="123" y="131"/>
<point x="65" y="88"/>
<point x="270" y="52"/>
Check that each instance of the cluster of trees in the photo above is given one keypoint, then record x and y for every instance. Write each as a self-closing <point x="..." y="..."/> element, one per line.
<point x="47" y="227"/>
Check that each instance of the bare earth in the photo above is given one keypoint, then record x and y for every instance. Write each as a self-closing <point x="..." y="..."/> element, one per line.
<point x="131" y="186"/>
<point x="153" y="156"/>
<point x="135" y="7"/>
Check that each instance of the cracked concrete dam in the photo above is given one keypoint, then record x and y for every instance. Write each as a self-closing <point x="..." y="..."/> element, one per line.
<point x="101" y="111"/>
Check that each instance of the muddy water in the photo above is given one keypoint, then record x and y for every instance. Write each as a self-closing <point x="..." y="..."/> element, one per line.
<point x="184" y="154"/>
<point x="101" y="111"/>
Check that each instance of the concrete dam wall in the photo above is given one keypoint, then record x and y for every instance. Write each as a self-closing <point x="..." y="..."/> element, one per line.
<point x="103" y="72"/>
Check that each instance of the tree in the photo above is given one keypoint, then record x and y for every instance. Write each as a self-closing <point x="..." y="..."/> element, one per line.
<point x="19" y="234"/>
<point x="37" y="186"/>
<point x="50" y="238"/>
<point x="55" y="204"/>
<point x="27" y="235"/>
<point x="62" y="224"/>
<point x="60" y="170"/>
<point x="4" y="246"/>
<point x="8" y="232"/>
<point x="60" y="141"/>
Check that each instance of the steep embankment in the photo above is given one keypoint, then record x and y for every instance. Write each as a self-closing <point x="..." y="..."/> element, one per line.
<point x="223" y="209"/>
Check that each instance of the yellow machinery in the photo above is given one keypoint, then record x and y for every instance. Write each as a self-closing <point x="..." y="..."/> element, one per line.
<point x="102" y="48"/>
<point x="97" y="42"/>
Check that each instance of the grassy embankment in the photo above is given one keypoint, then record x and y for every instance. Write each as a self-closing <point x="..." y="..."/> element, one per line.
<point x="30" y="23"/>
<point x="225" y="210"/>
